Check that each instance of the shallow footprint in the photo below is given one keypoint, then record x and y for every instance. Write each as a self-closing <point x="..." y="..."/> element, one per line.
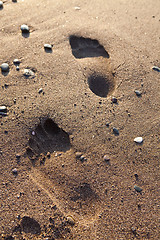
<point x="99" y="75"/>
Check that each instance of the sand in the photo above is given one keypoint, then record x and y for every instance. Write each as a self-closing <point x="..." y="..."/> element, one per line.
<point x="100" y="50"/>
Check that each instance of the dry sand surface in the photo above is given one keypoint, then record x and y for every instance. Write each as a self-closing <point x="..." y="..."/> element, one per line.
<point x="102" y="51"/>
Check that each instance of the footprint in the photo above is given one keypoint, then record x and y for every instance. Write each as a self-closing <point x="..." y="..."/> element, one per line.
<point x="86" y="47"/>
<point x="99" y="75"/>
<point x="30" y="225"/>
<point x="71" y="191"/>
<point x="47" y="137"/>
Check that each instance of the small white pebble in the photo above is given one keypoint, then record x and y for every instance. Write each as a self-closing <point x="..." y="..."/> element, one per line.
<point x="77" y="8"/>
<point x="138" y="140"/>
<point x="33" y="133"/>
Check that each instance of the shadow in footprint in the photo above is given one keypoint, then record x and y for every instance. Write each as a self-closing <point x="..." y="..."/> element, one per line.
<point x="47" y="137"/>
<point x="86" y="47"/>
<point x="30" y="225"/>
<point x="101" y="85"/>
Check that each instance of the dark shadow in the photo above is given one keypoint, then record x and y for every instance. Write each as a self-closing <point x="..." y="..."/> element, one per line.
<point x="30" y="225"/>
<point x="51" y="127"/>
<point x="5" y="73"/>
<point x="83" y="192"/>
<point x="48" y="137"/>
<point x="99" y="85"/>
<point x="86" y="47"/>
<point x="26" y="34"/>
<point x="48" y="50"/>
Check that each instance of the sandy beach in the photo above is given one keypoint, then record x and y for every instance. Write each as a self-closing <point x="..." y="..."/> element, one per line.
<point x="79" y="119"/>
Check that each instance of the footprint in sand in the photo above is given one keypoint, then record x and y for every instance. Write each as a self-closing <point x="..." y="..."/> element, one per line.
<point x="70" y="188"/>
<point x="95" y="59"/>
<point x="47" y="137"/>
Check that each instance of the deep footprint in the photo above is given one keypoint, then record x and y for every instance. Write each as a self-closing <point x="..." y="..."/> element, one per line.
<point x="86" y="47"/>
<point x="100" y="78"/>
<point x="47" y="137"/>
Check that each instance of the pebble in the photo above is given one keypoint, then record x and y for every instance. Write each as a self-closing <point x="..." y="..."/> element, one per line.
<point x="138" y="189"/>
<point x="48" y="46"/>
<point x="14" y="171"/>
<point x="18" y="156"/>
<point x="17" y="68"/>
<point x="114" y="100"/>
<point x="3" y="114"/>
<point x="40" y="90"/>
<point x="3" y="109"/>
<point x="82" y="158"/>
<point x="1" y="4"/>
<point x="106" y="158"/>
<point x="77" y="8"/>
<point x="115" y="131"/>
<point x="138" y="140"/>
<point x="138" y="93"/>
<point x="70" y="220"/>
<point x="155" y="68"/>
<point x="33" y="133"/>
<point x="24" y="28"/>
<point x="78" y="154"/>
<point x="16" y="61"/>
<point x="5" y="67"/>
<point x="28" y="73"/>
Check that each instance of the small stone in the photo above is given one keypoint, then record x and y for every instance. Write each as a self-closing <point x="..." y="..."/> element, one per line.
<point x="114" y="100"/>
<point x="3" y="114"/>
<point x="6" y="85"/>
<point x="3" y="109"/>
<point x="40" y="90"/>
<point x="138" y="189"/>
<point x="17" y="68"/>
<point x="16" y="61"/>
<point x="155" y="68"/>
<point x="78" y="154"/>
<point x="77" y="8"/>
<point x="138" y="140"/>
<point x="14" y="171"/>
<point x="107" y="124"/>
<point x="70" y="220"/>
<point x="5" y="67"/>
<point x="24" y="28"/>
<point x="48" y="46"/>
<point x="138" y="93"/>
<point x="18" y="156"/>
<point x="106" y="158"/>
<point x="48" y="154"/>
<point x="115" y="131"/>
<point x="136" y="176"/>
<point x="1" y="4"/>
<point x="82" y="158"/>
<point x="33" y="133"/>
<point x="28" y="73"/>
<point x="133" y="230"/>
